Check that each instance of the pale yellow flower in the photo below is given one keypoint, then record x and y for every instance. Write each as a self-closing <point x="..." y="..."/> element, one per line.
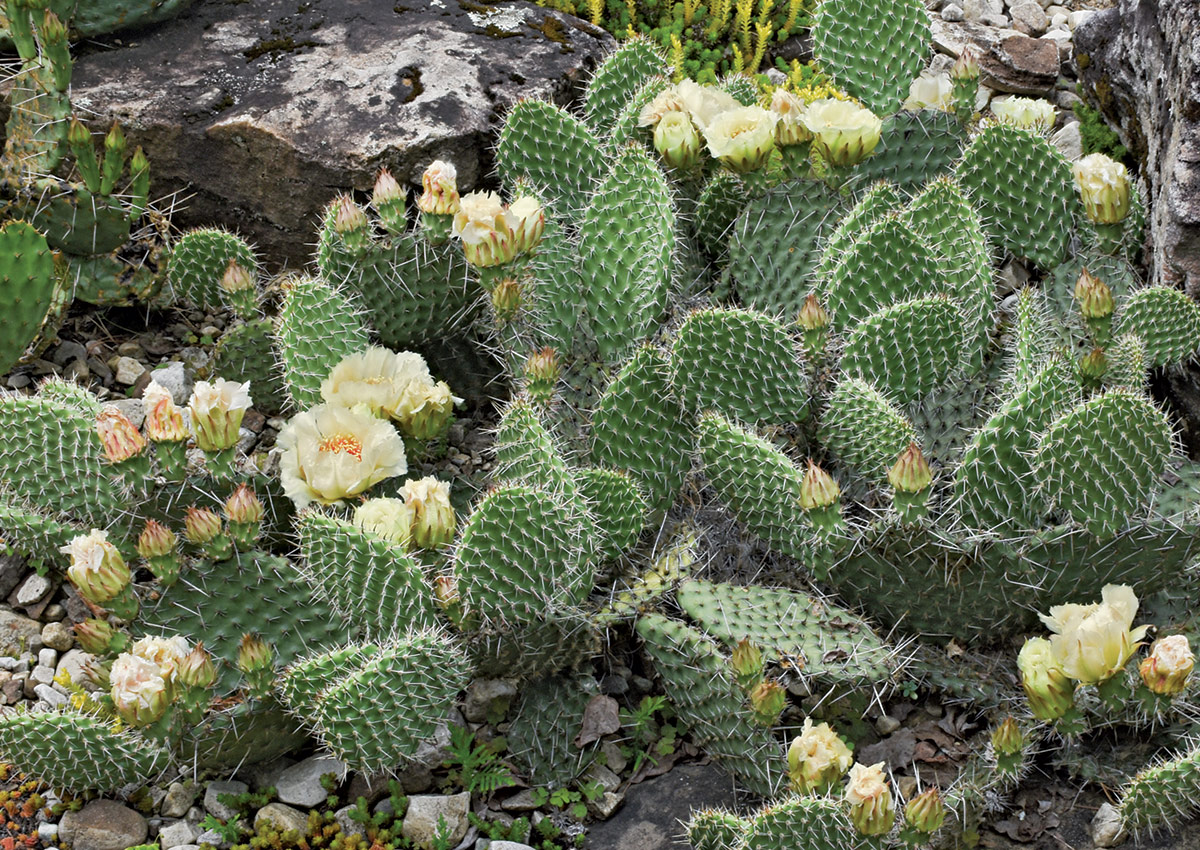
<point x="217" y="410"/>
<point x="486" y="228"/>
<point x="1092" y="642"/>
<point x="817" y="758"/>
<point x="424" y="409"/>
<point x="440" y="195"/>
<point x="376" y="378"/>
<point x="789" y="109"/>
<point x="330" y="453"/>
<point x="139" y="691"/>
<point x="1050" y="692"/>
<point x="97" y="568"/>
<point x="871" y="807"/>
<point x="1026" y="112"/>
<point x="667" y="100"/>
<point x="677" y="142"/>
<point x="930" y="91"/>
<point x="1166" y="669"/>
<point x="529" y="222"/>
<point x="1103" y="187"/>
<point x="432" y="514"/>
<point x="705" y="103"/>
<point x="390" y="519"/>
<point x="167" y="653"/>
<point x="742" y="137"/>
<point x="843" y="133"/>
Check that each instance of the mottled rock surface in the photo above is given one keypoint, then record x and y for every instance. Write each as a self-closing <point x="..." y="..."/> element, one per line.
<point x="260" y="113"/>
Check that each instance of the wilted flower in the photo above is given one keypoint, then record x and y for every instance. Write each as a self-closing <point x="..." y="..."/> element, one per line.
<point x="164" y="419"/>
<point x="1050" y="692"/>
<point x="217" y="410"/>
<point x="843" y="133"/>
<point x="119" y="436"/>
<point x="140" y="693"/>
<point x="167" y="653"/>
<point x="440" y="196"/>
<point x="375" y="377"/>
<point x="930" y="91"/>
<point x="1092" y="642"/>
<point x="789" y="110"/>
<point x="433" y="518"/>
<point x="1025" y="112"/>
<point x="97" y="568"/>
<point x="390" y="519"/>
<point x="817" y="758"/>
<point x="1103" y="187"/>
<point x="677" y="142"/>
<point x="742" y="138"/>
<point x="1166" y="669"/>
<point x="871" y="808"/>
<point x="330" y="453"/>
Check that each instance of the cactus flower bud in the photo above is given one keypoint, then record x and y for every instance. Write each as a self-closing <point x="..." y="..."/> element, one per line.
<point x="966" y="66"/>
<point x="1006" y="738"/>
<point x="217" y="410"/>
<point x="789" y="109"/>
<point x="99" y="638"/>
<point x="119" y="436"/>
<point x="201" y="525"/>
<point x="113" y="162"/>
<point x="445" y="593"/>
<point x="677" y="142"/>
<point x="813" y="321"/>
<point x="390" y="519"/>
<point x="910" y="473"/>
<point x="350" y="223"/>
<point x="1092" y="643"/>
<point x="926" y="812"/>
<point x="388" y="199"/>
<point x="506" y="299"/>
<point x="256" y="660"/>
<point x="1051" y="694"/>
<point x="530" y="223"/>
<point x="140" y="692"/>
<point x="164" y="419"/>
<point x="872" y="810"/>
<point x="244" y="512"/>
<point x="747" y="663"/>
<point x="236" y="278"/>
<point x="1094" y="297"/>
<point x="742" y="137"/>
<point x="196" y="670"/>
<point x="768" y="699"/>
<point x="1166" y="669"/>
<point x="440" y="195"/>
<point x="425" y="409"/>
<point x="817" y="758"/>
<point x="100" y="574"/>
<point x="1103" y="187"/>
<point x="843" y="133"/>
<point x="79" y="138"/>
<point x="541" y="374"/>
<point x="156" y="540"/>
<point x="433" y="518"/>
<point x="818" y="490"/>
<point x="1093" y="366"/>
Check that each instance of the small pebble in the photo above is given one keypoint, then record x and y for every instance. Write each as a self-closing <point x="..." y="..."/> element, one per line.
<point x="886" y="725"/>
<point x="952" y="13"/>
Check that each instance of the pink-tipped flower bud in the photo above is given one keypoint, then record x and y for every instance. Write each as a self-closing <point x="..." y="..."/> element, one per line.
<point x="201" y="526"/>
<point x="119" y="436"/>
<point x="196" y="670"/>
<point x="966" y="66"/>
<point x="445" y="592"/>
<point x="926" y="812"/>
<point x="164" y="419"/>
<point x="1166" y="669"/>
<point x="440" y="195"/>
<point x="910" y="473"/>
<point x="156" y="540"/>
<point x="388" y="198"/>
<point x="236" y="278"/>
<point x="812" y="316"/>
<point x="348" y="217"/>
<point x="254" y="654"/>
<point x="542" y="371"/>
<point x="747" y="663"/>
<point x="506" y="299"/>
<point x="818" y="490"/>
<point x="243" y="506"/>
<point x="99" y="638"/>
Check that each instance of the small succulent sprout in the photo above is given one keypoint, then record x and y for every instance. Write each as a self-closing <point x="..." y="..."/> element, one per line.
<point x="433" y="520"/>
<point x="542" y="372"/>
<point x="1166" y="669"/>
<point x="440" y="189"/>
<point x="747" y="663"/>
<point x="97" y="637"/>
<point x="742" y="137"/>
<point x="930" y="91"/>
<point x="506" y="299"/>
<point x="1025" y="112"/>
<point x="813" y="320"/>
<point x="79" y="139"/>
<point x="1049" y="690"/>
<point x="817" y="758"/>
<point x="910" y="477"/>
<point x="678" y="142"/>
<point x="217" y="410"/>
<point x="390" y="519"/>
<point x="120" y="437"/>
<point x="925" y="813"/>
<point x="843" y="133"/>
<point x="141" y="694"/>
<point x="529" y="223"/>
<point x="351" y="224"/>
<point x="1103" y="185"/>
<point x="1092" y="643"/>
<point x="239" y="286"/>
<point x="256" y="660"/>
<point x="244" y="511"/>
<point x="100" y="574"/>
<point x="157" y="546"/>
<point x="330" y="453"/>
<point x="388" y="199"/>
<point x="872" y="810"/>
<point x="768" y="699"/>
<point x="203" y="528"/>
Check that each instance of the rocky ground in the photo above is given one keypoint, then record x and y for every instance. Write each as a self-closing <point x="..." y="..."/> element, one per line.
<point x="228" y="120"/>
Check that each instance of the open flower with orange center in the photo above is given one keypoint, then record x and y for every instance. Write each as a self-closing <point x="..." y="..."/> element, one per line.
<point x="330" y="453"/>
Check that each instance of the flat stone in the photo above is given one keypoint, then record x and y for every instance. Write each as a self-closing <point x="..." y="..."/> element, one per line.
<point x="300" y="784"/>
<point x="47" y="657"/>
<point x="606" y="804"/>
<point x="483" y="694"/>
<point x="261" y="113"/>
<point x="214" y="806"/>
<point x="522" y="801"/>
<point x="283" y="817"/>
<point x="47" y="694"/>
<point x="1029" y="18"/>
<point x="952" y="12"/>
<point x="128" y="371"/>
<point x="178" y="834"/>
<point x="1009" y="62"/>
<point x="33" y="590"/>
<point x="507" y="845"/>
<point x="12" y="570"/>
<point x="1068" y="140"/>
<point x="426" y="810"/>
<point x="654" y="809"/>
<point x="133" y="409"/>
<point x="57" y="636"/>
<point x="173" y="378"/>
<point x="103" y="825"/>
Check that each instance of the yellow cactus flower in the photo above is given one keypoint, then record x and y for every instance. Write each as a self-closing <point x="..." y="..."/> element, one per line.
<point x="844" y="133"/>
<point x="1103" y="187"/>
<point x="1092" y="642"/>
<point x="742" y="138"/>
<point x="817" y="758"/>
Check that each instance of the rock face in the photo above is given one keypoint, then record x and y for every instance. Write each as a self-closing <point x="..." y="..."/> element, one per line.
<point x="260" y="113"/>
<point x="1140" y="64"/>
